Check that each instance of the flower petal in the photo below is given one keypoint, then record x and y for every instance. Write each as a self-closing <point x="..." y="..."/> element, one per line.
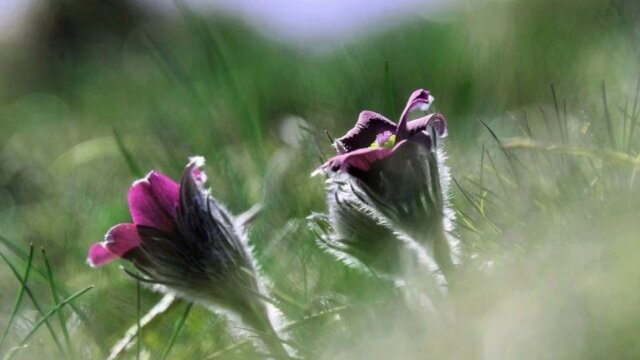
<point x="166" y="191"/>
<point x="436" y="120"/>
<point x="122" y="238"/>
<point x="153" y="201"/>
<point x="360" y="159"/>
<point x="99" y="255"/>
<point x="418" y="97"/>
<point x="369" y="125"/>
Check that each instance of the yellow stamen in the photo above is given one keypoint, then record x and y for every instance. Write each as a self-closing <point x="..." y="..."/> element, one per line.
<point x="388" y="144"/>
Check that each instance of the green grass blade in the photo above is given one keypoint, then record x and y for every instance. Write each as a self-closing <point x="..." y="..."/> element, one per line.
<point x="13" y="350"/>
<point x="23" y="284"/>
<point x="561" y="126"/>
<point x="167" y="304"/>
<point x="139" y="345"/>
<point x="232" y="347"/>
<point x="475" y="205"/>
<point x="176" y="330"/>
<point x="169" y="63"/>
<point x="634" y="115"/>
<point x="56" y="299"/>
<point x="625" y="122"/>
<point x="504" y="151"/>
<point x="603" y="155"/>
<point x="285" y="327"/>
<point x="14" y="249"/>
<point x="526" y="128"/>
<point x="98" y="339"/>
<point x="546" y="123"/>
<point x="46" y="316"/>
<point x="391" y="104"/>
<point x="482" y="166"/>
<point x="501" y="180"/>
<point x="126" y="154"/>
<point x="33" y="300"/>
<point x="607" y="116"/>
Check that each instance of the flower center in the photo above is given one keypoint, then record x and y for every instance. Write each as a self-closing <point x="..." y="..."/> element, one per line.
<point x="385" y="140"/>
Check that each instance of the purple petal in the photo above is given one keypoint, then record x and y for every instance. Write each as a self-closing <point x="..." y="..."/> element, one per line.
<point x="436" y="120"/>
<point x="368" y="126"/>
<point x="360" y="159"/>
<point x="99" y="255"/>
<point x="418" y="97"/>
<point x="165" y="190"/>
<point x="153" y="201"/>
<point x="122" y="238"/>
<point x="421" y="137"/>
<point x="119" y="240"/>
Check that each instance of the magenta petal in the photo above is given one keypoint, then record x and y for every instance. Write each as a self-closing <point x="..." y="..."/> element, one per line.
<point x="122" y="238"/>
<point x="166" y="192"/>
<point x="369" y="125"/>
<point x="99" y="255"/>
<point x="420" y="96"/>
<point x="436" y="120"/>
<point x="152" y="201"/>
<point x="360" y="159"/>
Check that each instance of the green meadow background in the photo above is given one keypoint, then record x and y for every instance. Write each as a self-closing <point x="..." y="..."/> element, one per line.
<point x="541" y="98"/>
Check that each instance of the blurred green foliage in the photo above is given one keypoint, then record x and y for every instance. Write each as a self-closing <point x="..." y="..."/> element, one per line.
<point x="549" y="225"/>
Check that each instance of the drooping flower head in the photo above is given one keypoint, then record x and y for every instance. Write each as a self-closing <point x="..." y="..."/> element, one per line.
<point x="376" y="138"/>
<point x="397" y="170"/>
<point x="185" y="240"/>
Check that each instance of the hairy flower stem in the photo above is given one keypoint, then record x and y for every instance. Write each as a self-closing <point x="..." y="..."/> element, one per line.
<point x="433" y="239"/>
<point x="442" y="252"/>
<point x="275" y="347"/>
<point x="442" y="257"/>
<point x="256" y="316"/>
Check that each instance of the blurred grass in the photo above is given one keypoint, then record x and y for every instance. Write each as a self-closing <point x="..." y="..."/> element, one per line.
<point x="547" y="214"/>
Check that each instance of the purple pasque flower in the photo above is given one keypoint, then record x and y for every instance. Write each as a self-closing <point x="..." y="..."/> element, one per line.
<point x="397" y="172"/>
<point x="376" y="138"/>
<point x="184" y="241"/>
<point x="153" y="204"/>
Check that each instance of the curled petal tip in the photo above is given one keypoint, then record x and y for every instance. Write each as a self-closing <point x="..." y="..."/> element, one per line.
<point x="420" y="97"/>
<point x="195" y="164"/>
<point x="420" y="94"/>
<point x="196" y="161"/>
<point x="435" y="121"/>
<point x="423" y="105"/>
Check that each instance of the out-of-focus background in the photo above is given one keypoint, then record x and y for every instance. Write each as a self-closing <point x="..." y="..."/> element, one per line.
<point x="95" y="93"/>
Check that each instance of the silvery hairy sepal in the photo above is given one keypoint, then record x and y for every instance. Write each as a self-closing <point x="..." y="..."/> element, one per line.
<point x="353" y="233"/>
<point x="399" y="170"/>
<point x="185" y="242"/>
